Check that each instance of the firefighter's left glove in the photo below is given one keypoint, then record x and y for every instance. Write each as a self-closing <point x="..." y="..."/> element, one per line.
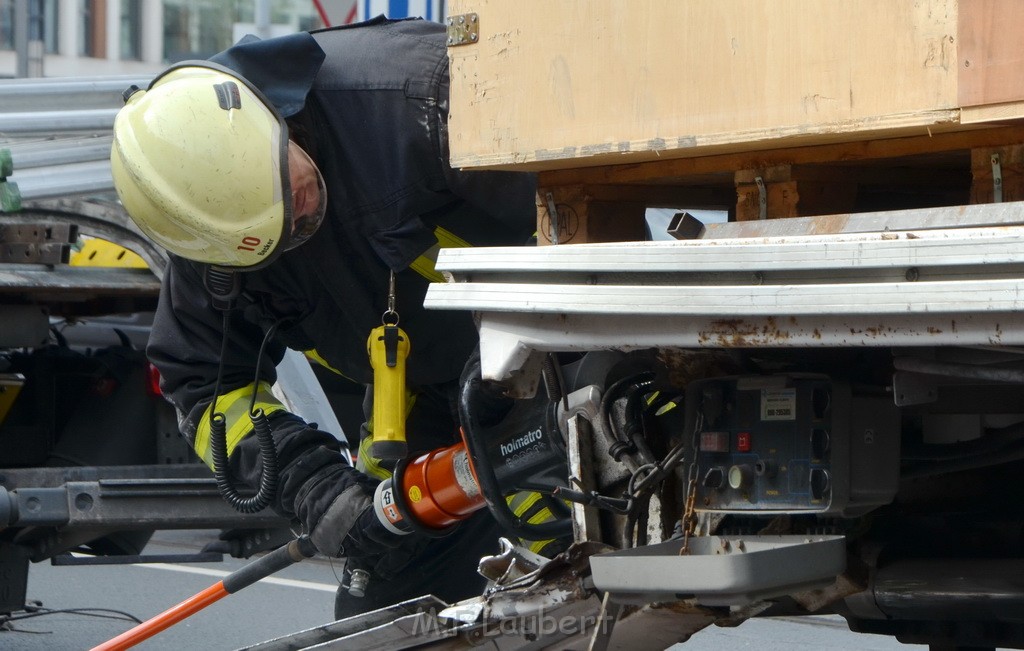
<point x="333" y="502"/>
<point x="347" y="525"/>
<point x="319" y="488"/>
<point x="371" y="546"/>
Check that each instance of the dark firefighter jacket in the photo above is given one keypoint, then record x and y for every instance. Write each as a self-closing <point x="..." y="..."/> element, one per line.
<point x="375" y="97"/>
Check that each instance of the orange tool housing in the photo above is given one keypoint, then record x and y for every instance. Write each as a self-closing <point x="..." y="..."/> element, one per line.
<point x="440" y="488"/>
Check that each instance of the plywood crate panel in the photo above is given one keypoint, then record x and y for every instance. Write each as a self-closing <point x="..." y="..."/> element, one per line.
<point x="571" y="83"/>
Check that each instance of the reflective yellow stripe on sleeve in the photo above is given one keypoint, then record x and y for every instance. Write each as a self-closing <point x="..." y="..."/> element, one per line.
<point x="235" y="407"/>
<point x="314" y="356"/>
<point x="424" y="265"/>
<point x="366" y="462"/>
<point x="369" y="464"/>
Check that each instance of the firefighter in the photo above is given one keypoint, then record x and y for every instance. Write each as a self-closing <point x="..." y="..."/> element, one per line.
<point x="302" y="171"/>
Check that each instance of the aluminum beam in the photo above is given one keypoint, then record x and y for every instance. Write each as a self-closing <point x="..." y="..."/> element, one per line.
<point x="52" y="121"/>
<point x="41" y="153"/>
<point x="935" y="286"/>
<point x="62" y="181"/>
<point x="17" y="95"/>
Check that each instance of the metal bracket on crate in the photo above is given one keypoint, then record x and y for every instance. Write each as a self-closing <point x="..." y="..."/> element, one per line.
<point x="762" y="198"/>
<point x="37" y="242"/>
<point x="552" y="217"/>
<point x="997" y="179"/>
<point x="463" y="29"/>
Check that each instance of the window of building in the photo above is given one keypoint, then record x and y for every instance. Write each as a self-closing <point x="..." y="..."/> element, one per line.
<point x="196" y="29"/>
<point x="42" y="24"/>
<point x="47" y="25"/>
<point x="6" y="24"/>
<point x="131" y="30"/>
<point x="92" y="40"/>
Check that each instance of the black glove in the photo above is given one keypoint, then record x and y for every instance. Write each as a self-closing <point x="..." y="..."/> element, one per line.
<point x="328" y="496"/>
<point x="368" y="536"/>
<point x="370" y="546"/>
<point x="347" y="526"/>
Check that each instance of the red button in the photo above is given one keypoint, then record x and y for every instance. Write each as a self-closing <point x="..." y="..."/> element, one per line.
<point x="743" y="442"/>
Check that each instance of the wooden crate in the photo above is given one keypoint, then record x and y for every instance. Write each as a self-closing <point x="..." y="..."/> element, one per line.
<point x="769" y="108"/>
<point x="550" y="85"/>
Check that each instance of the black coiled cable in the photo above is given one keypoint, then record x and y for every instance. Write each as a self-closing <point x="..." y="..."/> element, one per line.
<point x="268" y="456"/>
<point x="267" y="490"/>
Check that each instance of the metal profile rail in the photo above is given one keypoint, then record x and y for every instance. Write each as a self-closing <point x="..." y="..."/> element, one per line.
<point x="81" y="92"/>
<point x="886" y="250"/>
<point x="58" y="181"/>
<point x="937" y="285"/>
<point x="55" y="137"/>
<point x="101" y="119"/>
<point x="58" y="151"/>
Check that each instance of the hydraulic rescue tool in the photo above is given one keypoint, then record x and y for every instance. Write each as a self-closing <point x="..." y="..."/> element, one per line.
<point x="431" y="493"/>
<point x="524" y="451"/>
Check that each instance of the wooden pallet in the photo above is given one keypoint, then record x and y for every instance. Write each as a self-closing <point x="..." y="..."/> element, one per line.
<point x="607" y="203"/>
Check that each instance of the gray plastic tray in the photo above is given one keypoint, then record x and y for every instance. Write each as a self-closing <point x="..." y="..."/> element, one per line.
<point x="721" y="570"/>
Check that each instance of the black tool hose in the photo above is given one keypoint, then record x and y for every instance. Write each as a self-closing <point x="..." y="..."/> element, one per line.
<point x="489" y="487"/>
<point x="622" y="445"/>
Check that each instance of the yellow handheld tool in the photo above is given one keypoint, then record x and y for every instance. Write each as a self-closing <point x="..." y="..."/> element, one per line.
<point x="388" y="346"/>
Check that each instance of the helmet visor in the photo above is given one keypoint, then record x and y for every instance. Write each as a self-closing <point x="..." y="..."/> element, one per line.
<point x="309" y="196"/>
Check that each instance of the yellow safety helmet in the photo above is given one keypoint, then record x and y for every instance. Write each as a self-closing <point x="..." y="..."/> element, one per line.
<point x="200" y="162"/>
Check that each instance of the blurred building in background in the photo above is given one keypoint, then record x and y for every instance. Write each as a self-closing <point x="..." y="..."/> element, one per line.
<point x="60" y="38"/>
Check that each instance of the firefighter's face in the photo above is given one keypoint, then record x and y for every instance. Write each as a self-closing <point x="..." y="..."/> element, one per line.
<point x="309" y="196"/>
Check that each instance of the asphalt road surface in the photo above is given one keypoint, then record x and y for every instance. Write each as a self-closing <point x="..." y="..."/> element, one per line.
<point x="301" y="596"/>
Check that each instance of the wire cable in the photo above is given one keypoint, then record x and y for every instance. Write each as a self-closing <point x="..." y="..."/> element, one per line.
<point x="33" y="610"/>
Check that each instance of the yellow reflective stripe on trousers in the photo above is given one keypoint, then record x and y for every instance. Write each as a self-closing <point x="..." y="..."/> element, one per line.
<point x="235" y="407"/>
<point x="424" y="265"/>
<point x="521" y="503"/>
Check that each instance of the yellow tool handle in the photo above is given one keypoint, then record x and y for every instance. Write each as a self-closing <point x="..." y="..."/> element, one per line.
<point x="388" y="347"/>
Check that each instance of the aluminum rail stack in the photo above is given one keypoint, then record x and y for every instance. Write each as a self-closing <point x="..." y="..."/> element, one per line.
<point x="55" y="136"/>
<point x="951" y="275"/>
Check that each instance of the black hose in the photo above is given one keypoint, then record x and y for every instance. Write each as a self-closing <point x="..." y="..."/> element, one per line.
<point x="992" y="440"/>
<point x="554" y="382"/>
<point x="636" y="405"/>
<point x="962" y="371"/>
<point x="995" y="447"/>
<point x="489" y="487"/>
<point x="621" y="445"/>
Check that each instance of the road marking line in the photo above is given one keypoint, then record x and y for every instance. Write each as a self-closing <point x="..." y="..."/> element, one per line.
<point x="324" y="587"/>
